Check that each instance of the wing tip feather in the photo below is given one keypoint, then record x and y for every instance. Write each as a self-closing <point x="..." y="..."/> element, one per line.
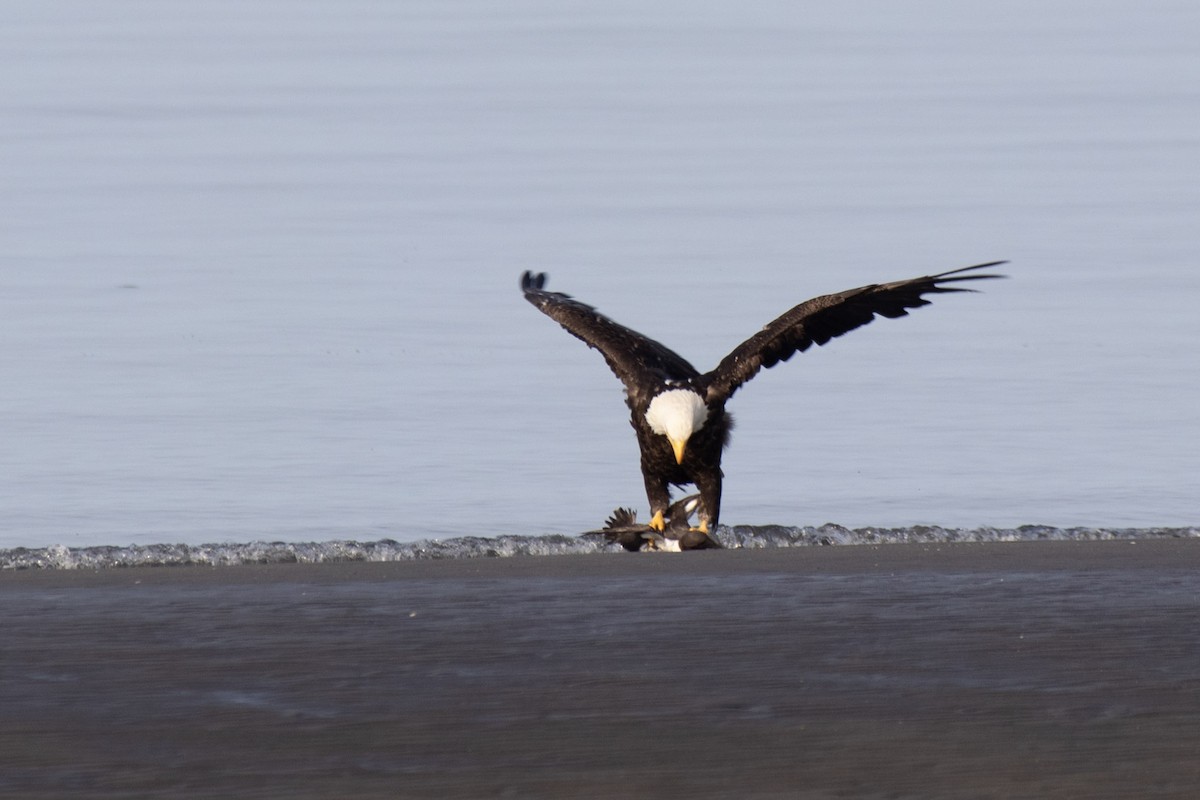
<point x="531" y="282"/>
<point x="957" y="274"/>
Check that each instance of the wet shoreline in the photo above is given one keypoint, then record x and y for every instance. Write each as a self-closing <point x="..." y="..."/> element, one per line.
<point x="1050" y="669"/>
<point x="1140" y="553"/>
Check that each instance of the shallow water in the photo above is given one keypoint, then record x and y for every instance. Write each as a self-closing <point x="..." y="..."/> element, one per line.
<point x="739" y="537"/>
<point x="258" y="279"/>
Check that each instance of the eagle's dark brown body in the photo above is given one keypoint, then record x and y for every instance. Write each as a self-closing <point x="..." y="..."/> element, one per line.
<point x="649" y="370"/>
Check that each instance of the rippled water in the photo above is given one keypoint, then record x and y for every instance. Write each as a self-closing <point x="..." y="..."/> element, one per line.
<point x="259" y="263"/>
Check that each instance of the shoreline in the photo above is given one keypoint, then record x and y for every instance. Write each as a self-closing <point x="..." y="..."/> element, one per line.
<point x="933" y="671"/>
<point x="963" y="557"/>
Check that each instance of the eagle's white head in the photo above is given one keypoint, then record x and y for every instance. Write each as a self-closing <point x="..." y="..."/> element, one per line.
<point x="677" y="414"/>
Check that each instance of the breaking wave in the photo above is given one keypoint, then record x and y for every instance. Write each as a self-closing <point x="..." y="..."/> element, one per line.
<point x="735" y="537"/>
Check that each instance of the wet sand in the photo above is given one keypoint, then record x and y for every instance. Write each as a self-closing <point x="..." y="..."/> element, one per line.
<point x="1033" y="670"/>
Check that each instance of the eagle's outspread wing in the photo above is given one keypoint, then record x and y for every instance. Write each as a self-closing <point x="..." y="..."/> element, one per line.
<point x="636" y="359"/>
<point x="823" y="318"/>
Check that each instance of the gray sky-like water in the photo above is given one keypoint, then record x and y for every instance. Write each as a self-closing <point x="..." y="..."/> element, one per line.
<point x="259" y="265"/>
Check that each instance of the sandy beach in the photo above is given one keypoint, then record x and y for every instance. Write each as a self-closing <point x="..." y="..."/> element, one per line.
<point x="1031" y="670"/>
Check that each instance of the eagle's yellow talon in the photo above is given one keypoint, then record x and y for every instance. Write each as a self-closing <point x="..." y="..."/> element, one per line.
<point x="657" y="523"/>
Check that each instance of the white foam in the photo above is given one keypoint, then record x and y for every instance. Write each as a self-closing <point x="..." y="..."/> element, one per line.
<point x="735" y="537"/>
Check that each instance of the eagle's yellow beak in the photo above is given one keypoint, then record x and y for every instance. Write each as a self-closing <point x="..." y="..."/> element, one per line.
<point x="678" y="445"/>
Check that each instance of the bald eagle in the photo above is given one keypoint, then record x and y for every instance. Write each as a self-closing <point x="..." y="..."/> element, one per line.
<point x="679" y="412"/>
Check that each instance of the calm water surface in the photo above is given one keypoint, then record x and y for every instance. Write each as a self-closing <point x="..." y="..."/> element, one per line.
<point x="259" y="262"/>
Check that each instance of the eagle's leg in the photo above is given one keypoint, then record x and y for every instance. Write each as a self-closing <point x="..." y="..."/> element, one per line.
<point x="710" y="501"/>
<point x="660" y="499"/>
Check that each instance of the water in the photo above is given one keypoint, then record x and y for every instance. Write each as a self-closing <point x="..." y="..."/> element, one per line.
<point x="738" y="537"/>
<point x="259" y="262"/>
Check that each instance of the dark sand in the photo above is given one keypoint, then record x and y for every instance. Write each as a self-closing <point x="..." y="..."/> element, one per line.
<point x="1038" y="670"/>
